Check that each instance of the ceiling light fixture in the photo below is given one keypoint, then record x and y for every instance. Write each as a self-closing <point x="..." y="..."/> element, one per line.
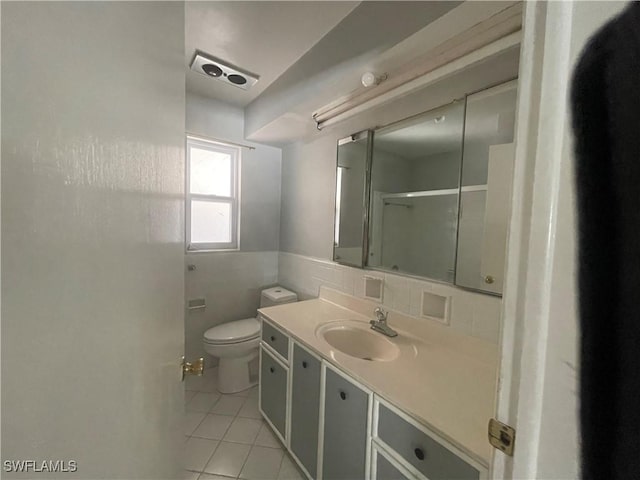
<point x="400" y="85"/>
<point x="370" y="79"/>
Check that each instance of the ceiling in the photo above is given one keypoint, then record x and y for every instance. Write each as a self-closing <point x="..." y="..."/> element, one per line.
<point x="264" y="38"/>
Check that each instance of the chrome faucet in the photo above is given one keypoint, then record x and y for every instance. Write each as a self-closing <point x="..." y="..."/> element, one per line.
<point x="380" y="325"/>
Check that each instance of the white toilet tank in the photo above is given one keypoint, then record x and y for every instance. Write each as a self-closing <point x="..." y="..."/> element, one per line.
<point x="277" y="296"/>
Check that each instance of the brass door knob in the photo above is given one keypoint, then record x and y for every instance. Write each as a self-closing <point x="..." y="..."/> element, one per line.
<point x="489" y="279"/>
<point x="195" y="368"/>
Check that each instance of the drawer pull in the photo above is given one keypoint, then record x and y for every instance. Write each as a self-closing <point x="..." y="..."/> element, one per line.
<point x="419" y="453"/>
<point x="272" y="370"/>
<point x="304" y="364"/>
<point x="272" y="338"/>
<point x="343" y="395"/>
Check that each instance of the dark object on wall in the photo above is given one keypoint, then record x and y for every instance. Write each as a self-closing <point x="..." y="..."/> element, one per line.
<point x="606" y="121"/>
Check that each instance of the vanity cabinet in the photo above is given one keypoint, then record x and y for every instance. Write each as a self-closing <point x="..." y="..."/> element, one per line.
<point x="305" y="408"/>
<point x="337" y="429"/>
<point x="345" y="429"/>
<point x="417" y="449"/>
<point x="274" y="379"/>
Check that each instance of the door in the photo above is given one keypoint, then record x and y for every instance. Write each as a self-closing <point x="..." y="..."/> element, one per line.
<point x="274" y="378"/>
<point x="538" y="381"/>
<point x="305" y="408"/>
<point x="345" y="430"/>
<point x="92" y="236"/>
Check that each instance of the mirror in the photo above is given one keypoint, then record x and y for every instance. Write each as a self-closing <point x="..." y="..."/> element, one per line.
<point x="415" y="174"/>
<point x="430" y="196"/>
<point x="485" y="193"/>
<point x="352" y="191"/>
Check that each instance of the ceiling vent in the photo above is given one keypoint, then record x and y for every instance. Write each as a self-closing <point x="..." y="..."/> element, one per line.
<point x="214" y="68"/>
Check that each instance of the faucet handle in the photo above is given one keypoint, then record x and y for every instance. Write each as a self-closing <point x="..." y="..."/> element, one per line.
<point x="380" y="314"/>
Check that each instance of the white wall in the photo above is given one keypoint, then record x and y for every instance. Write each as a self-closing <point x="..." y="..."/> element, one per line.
<point x="92" y="231"/>
<point x="231" y="282"/>
<point x="441" y="170"/>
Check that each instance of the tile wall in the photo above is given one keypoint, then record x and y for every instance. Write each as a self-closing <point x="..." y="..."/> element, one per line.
<point x="471" y="313"/>
<point x="231" y="283"/>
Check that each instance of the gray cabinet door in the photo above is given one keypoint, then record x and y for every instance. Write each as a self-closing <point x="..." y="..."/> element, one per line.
<point x="273" y="391"/>
<point x="345" y="429"/>
<point x="305" y="408"/>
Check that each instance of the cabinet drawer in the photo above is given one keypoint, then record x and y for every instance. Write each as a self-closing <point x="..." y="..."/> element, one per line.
<point x="275" y="339"/>
<point x="428" y="456"/>
<point x="273" y="391"/>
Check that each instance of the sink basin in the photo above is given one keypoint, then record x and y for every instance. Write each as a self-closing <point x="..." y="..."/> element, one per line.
<point x="356" y="339"/>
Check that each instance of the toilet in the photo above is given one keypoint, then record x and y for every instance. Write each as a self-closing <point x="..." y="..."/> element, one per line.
<point x="236" y="343"/>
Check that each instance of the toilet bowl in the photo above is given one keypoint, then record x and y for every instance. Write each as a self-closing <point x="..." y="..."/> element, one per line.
<point x="236" y="343"/>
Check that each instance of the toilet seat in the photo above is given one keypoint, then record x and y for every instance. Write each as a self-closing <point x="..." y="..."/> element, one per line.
<point x="233" y="332"/>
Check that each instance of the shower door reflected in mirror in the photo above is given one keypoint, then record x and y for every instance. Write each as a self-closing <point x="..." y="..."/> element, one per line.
<point x="415" y="177"/>
<point x="352" y="191"/>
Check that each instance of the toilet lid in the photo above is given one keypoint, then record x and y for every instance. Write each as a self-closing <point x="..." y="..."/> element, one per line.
<point x="233" y="332"/>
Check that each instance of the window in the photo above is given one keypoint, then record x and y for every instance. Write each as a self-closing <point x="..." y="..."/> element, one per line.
<point x="212" y="195"/>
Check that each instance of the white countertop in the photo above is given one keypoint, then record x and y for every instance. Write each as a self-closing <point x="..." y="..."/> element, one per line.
<point x="448" y="382"/>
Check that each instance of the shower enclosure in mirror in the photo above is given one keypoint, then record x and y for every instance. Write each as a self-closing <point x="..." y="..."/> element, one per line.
<point x="352" y="191"/>
<point x="415" y="174"/>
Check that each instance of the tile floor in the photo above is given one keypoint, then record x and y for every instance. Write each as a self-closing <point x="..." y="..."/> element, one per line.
<point x="226" y="437"/>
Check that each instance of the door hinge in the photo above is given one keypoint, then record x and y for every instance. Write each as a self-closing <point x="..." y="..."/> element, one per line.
<point x="501" y="436"/>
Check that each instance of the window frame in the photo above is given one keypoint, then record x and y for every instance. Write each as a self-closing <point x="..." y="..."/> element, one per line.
<point x="233" y="199"/>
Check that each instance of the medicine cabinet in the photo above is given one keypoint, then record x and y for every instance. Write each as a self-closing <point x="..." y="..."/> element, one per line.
<point x="429" y="196"/>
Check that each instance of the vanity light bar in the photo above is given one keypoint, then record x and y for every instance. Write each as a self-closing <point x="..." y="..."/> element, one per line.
<point x="364" y="101"/>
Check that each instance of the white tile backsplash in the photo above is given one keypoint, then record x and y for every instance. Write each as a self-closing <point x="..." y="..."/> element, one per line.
<point x="397" y="294"/>
<point x="474" y="314"/>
